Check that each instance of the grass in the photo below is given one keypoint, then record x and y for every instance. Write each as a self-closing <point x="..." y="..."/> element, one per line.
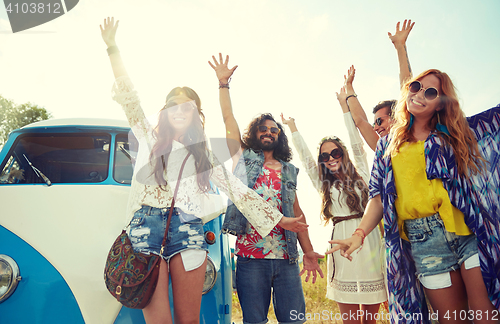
<point x="316" y="303"/>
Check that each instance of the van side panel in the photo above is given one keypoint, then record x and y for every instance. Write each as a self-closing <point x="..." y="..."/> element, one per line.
<point x="42" y="295"/>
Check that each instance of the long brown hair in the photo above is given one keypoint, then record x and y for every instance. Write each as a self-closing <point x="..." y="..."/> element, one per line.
<point x="193" y="139"/>
<point x="346" y="179"/>
<point x="461" y="138"/>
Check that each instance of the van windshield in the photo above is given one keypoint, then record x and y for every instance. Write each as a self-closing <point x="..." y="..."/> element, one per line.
<point x="62" y="158"/>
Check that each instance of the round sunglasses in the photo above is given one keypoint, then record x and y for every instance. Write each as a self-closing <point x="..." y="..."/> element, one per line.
<point x="335" y="153"/>
<point x="430" y="93"/>
<point x="273" y="130"/>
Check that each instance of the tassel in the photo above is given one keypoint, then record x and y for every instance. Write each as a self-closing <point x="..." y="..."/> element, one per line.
<point x="411" y="121"/>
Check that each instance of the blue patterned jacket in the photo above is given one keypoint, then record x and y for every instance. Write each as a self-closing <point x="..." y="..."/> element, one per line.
<point x="477" y="198"/>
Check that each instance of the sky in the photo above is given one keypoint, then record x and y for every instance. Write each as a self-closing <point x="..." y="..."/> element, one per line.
<point x="291" y="56"/>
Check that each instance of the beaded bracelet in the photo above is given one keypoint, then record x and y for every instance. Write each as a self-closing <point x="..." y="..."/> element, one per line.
<point x="224" y="85"/>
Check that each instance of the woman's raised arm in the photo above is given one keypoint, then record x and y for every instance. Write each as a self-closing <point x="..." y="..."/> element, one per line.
<point x="108" y="33"/>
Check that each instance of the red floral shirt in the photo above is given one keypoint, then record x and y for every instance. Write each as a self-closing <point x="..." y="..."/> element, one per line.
<point x="273" y="246"/>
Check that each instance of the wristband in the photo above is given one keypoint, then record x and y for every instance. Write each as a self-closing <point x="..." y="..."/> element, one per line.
<point x="349" y="96"/>
<point x="224" y="85"/>
<point x="112" y="49"/>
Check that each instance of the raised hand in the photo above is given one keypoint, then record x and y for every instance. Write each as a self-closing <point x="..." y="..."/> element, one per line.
<point x="293" y="224"/>
<point x="310" y="264"/>
<point x="350" y="76"/>
<point x="399" y="38"/>
<point x="109" y="31"/>
<point x="290" y="122"/>
<point x="222" y="71"/>
<point x="341" y="97"/>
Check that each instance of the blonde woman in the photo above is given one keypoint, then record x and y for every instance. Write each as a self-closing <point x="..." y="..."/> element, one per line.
<point x="435" y="182"/>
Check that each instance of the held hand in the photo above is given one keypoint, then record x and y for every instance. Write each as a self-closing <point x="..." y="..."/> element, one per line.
<point x="293" y="224"/>
<point x="341" y="97"/>
<point x="109" y="31"/>
<point x="399" y="38"/>
<point x="222" y="71"/>
<point x="346" y="246"/>
<point x="350" y="76"/>
<point x="310" y="264"/>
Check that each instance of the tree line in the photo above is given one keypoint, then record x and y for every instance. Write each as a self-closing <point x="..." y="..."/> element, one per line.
<point x="13" y="116"/>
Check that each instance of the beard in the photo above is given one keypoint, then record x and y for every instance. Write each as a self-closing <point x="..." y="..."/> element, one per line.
<point x="267" y="146"/>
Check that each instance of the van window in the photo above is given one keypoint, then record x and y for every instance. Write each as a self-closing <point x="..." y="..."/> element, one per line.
<point x="61" y="158"/>
<point x="125" y="154"/>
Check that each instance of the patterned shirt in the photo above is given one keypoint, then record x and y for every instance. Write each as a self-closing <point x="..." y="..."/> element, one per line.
<point x="477" y="198"/>
<point x="272" y="246"/>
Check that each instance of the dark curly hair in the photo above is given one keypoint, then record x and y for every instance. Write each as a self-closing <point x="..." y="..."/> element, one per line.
<point x="250" y="141"/>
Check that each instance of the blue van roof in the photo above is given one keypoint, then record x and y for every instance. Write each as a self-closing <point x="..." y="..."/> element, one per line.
<point x="79" y="122"/>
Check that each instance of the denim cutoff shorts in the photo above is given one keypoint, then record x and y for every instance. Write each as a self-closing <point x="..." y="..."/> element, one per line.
<point x="437" y="251"/>
<point x="147" y="229"/>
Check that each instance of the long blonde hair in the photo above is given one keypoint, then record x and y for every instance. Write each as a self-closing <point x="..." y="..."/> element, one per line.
<point x="461" y="137"/>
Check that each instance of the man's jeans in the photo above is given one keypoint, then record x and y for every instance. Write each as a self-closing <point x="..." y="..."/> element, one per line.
<point x="254" y="280"/>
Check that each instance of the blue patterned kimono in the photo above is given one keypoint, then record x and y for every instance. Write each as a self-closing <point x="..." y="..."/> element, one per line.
<point x="478" y="198"/>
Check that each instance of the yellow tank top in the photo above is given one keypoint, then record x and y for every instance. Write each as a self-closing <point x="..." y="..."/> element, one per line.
<point x="419" y="197"/>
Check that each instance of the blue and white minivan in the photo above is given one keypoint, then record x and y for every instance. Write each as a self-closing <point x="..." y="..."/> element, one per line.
<point x="64" y="186"/>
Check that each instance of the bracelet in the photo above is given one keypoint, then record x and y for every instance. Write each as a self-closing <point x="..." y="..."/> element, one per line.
<point x="224" y="85"/>
<point x="112" y="49"/>
<point x="360" y="229"/>
<point x="362" y="235"/>
<point x="349" y="96"/>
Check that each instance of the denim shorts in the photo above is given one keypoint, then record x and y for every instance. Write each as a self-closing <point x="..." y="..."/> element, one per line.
<point x="147" y="229"/>
<point x="434" y="249"/>
<point x="257" y="280"/>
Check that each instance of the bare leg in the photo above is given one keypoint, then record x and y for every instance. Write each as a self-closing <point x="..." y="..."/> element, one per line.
<point x="369" y="312"/>
<point x="349" y="313"/>
<point x="158" y="310"/>
<point x="481" y="308"/>
<point x="448" y="302"/>
<point x="187" y="288"/>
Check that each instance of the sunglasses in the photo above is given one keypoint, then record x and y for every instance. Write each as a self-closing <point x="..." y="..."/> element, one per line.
<point x="429" y="93"/>
<point x="379" y="120"/>
<point x="335" y="153"/>
<point x="273" y="130"/>
<point x="185" y="106"/>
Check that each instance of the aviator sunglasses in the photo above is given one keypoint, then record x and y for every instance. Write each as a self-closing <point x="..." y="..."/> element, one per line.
<point x="430" y="93"/>
<point x="379" y="120"/>
<point x="264" y="128"/>
<point x="335" y="153"/>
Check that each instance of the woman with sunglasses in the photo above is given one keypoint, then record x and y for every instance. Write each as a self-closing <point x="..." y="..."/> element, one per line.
<point x="358" y="287"/>
<point x="435" y="183"/>
<point x="178" y="137"/>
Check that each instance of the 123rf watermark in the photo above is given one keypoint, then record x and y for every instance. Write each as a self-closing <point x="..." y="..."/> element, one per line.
<point x="25" y="14"/>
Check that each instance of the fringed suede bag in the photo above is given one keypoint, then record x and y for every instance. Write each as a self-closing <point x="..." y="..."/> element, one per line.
<point x="129" y="276"/>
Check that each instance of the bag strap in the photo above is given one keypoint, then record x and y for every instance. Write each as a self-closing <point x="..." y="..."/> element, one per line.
<point x="173" y="203"/>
